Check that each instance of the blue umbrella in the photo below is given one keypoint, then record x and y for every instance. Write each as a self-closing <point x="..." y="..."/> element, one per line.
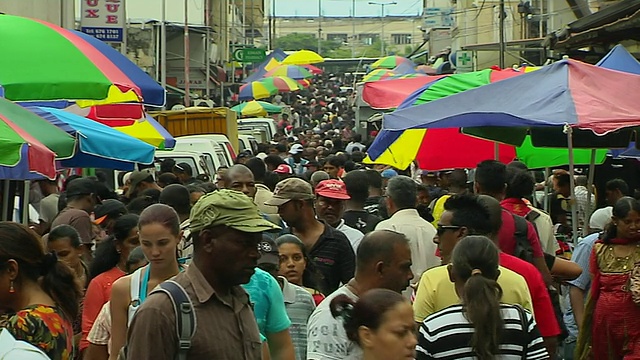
<point x="99" y="146"/>
<point x="620" y="59"/>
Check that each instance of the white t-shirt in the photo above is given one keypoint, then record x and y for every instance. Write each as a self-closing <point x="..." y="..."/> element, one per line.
<point x="326" y="337"/>
<point x="10" y="349"/>
<point x="354" y="235"/>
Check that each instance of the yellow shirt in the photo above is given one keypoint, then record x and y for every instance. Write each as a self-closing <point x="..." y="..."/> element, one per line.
<point x="438" y="209"/>
<point x="436" y="292"/>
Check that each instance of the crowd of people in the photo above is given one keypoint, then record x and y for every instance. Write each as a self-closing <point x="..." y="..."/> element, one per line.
<point x="304" y="251"/>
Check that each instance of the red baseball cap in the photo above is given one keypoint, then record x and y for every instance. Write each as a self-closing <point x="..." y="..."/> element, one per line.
<point x="283" y="169"/>
<point x="332" y="189"/>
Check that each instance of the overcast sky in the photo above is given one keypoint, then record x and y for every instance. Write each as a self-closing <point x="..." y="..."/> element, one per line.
<point x="344" y="7"/>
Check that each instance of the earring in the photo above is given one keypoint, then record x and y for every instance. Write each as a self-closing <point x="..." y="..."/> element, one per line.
<point x="11" y="289"/>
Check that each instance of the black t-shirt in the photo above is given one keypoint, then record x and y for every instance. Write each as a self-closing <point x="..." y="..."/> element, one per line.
<point x="334" y="258"/>
<point x="372" y="205"/>
<point x="361" y="220"/>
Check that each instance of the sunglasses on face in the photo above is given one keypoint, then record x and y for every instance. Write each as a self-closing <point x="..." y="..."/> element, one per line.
<point x="442" y="228"/>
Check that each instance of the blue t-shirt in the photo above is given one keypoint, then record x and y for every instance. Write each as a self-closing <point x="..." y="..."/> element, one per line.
<point x="581" y="256"/>
<point x="268" y="303"/>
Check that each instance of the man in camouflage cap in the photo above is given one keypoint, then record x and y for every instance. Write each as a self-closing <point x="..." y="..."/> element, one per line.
<point x="226" y="228"/>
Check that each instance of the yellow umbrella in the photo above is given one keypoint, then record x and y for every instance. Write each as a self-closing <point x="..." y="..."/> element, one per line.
<point x="272" y="64"/>
<point x="303" y="57"/>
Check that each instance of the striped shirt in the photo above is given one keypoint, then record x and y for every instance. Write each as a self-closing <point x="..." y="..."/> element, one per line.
<point x="447" y="335"/>
<point x="300" y="305"/>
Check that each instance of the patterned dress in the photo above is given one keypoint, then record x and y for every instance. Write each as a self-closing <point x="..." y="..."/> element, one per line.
<point x="615" y="318"/>
<point x="44" y="327"/>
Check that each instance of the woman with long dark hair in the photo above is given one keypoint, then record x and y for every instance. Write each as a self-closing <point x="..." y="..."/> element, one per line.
<point x="611" y="325"/>
<point x="380" y="322"/>
<point x="480" y="327"/>
<point x="159" y="233"/>
<point x="109" y="264"/>
<point x="40" y="291"/>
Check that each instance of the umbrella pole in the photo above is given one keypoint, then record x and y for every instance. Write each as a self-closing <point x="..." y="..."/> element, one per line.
<point x="587" y="211"/>
<point x="6" y="184"/>
<point x="496" y="151"/>
<point x="25" y="202"/>
<point x="572" y="184"/>
<point x="545" y="199"/>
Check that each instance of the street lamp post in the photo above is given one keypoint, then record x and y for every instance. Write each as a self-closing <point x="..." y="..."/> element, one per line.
<point x="382" y="5"/>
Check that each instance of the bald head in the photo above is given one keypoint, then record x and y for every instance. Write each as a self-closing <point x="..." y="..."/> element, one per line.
<point x="378" y="246"/>
<point x="240" y="178"/>
<point x="495" y="214"/>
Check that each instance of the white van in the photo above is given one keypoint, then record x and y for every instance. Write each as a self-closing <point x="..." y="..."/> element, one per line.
<point x="248" y="142"/>
<point x="222" y="142"/>
<point x="197" y="161"/>
<point x="267" y="124"/>
<point x="213" y="154"/>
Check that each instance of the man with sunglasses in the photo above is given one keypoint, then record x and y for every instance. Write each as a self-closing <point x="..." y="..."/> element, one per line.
<point x="464" y="215"/>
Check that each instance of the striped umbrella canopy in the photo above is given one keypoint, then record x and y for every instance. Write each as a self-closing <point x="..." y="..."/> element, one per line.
<point x="267" y="87"/>
<point x="129" y="119"/>
<point x="291" y="71"/>
<point x="99" y="146"/>
<point x="378" y="74"/>
<point x="67" y="64"/>
<point x="391" y="62"/>
<point x="256" y="108"/>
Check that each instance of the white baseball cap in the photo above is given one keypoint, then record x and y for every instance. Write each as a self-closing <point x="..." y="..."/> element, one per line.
<point x="10" y="348"/>
<point x="296" y="149"/>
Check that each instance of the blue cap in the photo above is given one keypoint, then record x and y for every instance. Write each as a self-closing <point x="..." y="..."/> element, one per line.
<point x="389" y="173"/>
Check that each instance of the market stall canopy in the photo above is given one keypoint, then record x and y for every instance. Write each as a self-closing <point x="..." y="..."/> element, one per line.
<point x="99" y="146"/>
<point x="391" y="62"/>
<point x="389" y="94"/>
<point x="21" y="155"/>
<point x="129" y="119"/>
<point x="42" y="61"/>
<point x="256" y="108"/>
<point x="303" y="57"/>
<point x="567" y="92"/>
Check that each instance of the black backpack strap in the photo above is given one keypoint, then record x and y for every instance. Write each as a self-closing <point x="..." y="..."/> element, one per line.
<point x="185" y="315"/>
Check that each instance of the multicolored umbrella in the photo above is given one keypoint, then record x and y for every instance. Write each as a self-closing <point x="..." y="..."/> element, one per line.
<point x="303" y="57"/>
<point x="566" y="93"/>
<point x="66" y="64"/>
<point x="391" y="62"/>
<point x="99" y="145"/>
<point x="437" y="149"/>
<point x="267" y="87"/>
<point x="129" y="119"/>
<point x="406" y="76"/>
<point x="378" y="74"/>
<point x="256" y="108"/>
<point x="313" y="69"/>
<point x="291" y="71"/>
<point x="21" y="155"/>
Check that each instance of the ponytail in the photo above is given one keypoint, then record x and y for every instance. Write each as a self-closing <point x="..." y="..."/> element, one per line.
<point x="482" y="307"/>
<point x="475" y="261"/>
<point x="59" y="282"/>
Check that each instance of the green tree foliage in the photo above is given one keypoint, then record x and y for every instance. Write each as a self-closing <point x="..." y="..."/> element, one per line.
<point x="297" y="41"/>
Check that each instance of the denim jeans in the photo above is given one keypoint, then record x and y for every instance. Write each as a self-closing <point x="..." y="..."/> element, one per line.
<point x="569" y="347"/>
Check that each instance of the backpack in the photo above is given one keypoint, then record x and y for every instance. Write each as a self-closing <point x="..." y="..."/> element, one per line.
<point x="523" y="249"/>
<point x="185" y="317"/>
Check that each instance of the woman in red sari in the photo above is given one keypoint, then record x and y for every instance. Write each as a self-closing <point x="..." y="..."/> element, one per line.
<point x="611" y="326"/>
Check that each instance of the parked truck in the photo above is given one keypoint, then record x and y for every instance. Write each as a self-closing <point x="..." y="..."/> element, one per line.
<point x="200" y="120"/>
